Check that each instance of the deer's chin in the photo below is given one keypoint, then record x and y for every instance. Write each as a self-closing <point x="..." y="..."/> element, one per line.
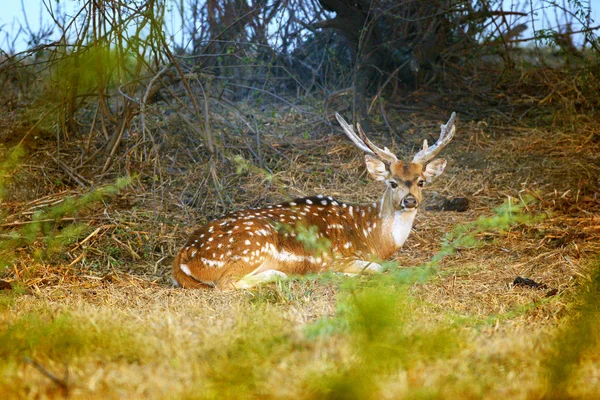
<point x="401" y="208"/>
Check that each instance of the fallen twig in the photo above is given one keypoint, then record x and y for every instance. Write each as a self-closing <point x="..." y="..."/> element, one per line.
<point x="62" y="383"/>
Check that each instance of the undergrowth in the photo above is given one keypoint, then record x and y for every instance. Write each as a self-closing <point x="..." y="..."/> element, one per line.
<point x="379" y="334"/>
<point x="47" y="232"/>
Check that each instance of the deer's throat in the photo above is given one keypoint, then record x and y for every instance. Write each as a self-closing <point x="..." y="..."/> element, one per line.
<point x="402" y="223"/>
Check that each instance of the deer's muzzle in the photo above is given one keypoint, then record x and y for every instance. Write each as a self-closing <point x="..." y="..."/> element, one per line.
<point x="409" y="202"/>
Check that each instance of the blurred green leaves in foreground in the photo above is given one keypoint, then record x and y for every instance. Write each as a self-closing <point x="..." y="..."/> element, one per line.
<point x="387" y="325"/>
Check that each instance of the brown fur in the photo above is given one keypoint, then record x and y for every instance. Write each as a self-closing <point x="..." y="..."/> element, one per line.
<point x="234" y="246"/>
<point x="183" y="280"/>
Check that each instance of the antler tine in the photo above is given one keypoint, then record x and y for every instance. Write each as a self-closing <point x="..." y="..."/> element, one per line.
<point x="446" y="135"/>
<point x="384" y="154"/>
<point x="352" y="135"/>
<point x="364" y="143"/>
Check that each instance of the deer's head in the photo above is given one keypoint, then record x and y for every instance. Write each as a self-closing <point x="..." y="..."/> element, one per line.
<point x="404" y="181"/>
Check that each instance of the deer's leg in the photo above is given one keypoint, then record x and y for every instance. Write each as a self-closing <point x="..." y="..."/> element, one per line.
<point x="249" y="281"/>
<point x="355" y="267"/>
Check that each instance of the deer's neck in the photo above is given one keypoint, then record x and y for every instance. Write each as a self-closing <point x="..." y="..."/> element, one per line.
<point x="401" y="224"/>
<point x="385" y="229"/>
<point x="396" y="223"/>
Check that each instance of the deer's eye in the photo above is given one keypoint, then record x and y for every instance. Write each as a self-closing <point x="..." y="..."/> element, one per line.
<point x="393" y="184"/>
<point x="421" y="183"/>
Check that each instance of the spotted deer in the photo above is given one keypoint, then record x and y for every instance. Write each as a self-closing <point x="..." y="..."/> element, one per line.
<point x="314" y="234"/>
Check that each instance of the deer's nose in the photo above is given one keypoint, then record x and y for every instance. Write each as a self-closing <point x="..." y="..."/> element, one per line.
<point x="409" y="202"/>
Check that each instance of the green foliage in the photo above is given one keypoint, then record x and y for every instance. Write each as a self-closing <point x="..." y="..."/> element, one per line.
<point x="575" y="11"/>
<point x="386" y="333"/>
<point x="309" y="236"/>
<point x="86" y="69"/>
<point x="465" y="236"/>
<point x="578" y="336"/>
<point x="242" y="363"/>
<point x="312" y="241"/>
<point x="242" y="166"/>
<point x="62" y="337"/>
<point x="296" y="290"/>
<point x="382" y="320"/>
<point x="7" y="299"/>
<point x="47" y="223"/>
<point x="8" y="168"/>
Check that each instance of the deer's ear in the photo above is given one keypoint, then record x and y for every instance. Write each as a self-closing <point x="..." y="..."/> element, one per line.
<point x="434" y="169"/>
<point x="376" y="168"/>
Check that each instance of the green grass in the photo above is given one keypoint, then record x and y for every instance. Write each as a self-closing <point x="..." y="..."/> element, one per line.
<point x="382" y="325"/>
<point x="63" y="337"/>
<point x="576" y="338"/>
<point x="380" y="339"/>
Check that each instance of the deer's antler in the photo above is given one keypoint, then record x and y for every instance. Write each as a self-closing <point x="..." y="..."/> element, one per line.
<point x="446" y="135"/>
<point x="364" y="143"/>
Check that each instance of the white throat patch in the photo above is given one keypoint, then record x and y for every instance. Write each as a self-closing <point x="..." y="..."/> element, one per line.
<point x="403" y="221"/>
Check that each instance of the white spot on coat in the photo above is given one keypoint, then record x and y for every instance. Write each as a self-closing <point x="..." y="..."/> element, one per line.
<point x="185" y="269"/>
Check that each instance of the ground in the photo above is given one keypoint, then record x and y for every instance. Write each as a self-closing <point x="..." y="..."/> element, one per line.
<point x="99" y="318"/>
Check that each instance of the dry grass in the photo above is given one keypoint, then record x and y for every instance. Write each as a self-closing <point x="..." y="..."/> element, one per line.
<point x="466" y="332"/>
